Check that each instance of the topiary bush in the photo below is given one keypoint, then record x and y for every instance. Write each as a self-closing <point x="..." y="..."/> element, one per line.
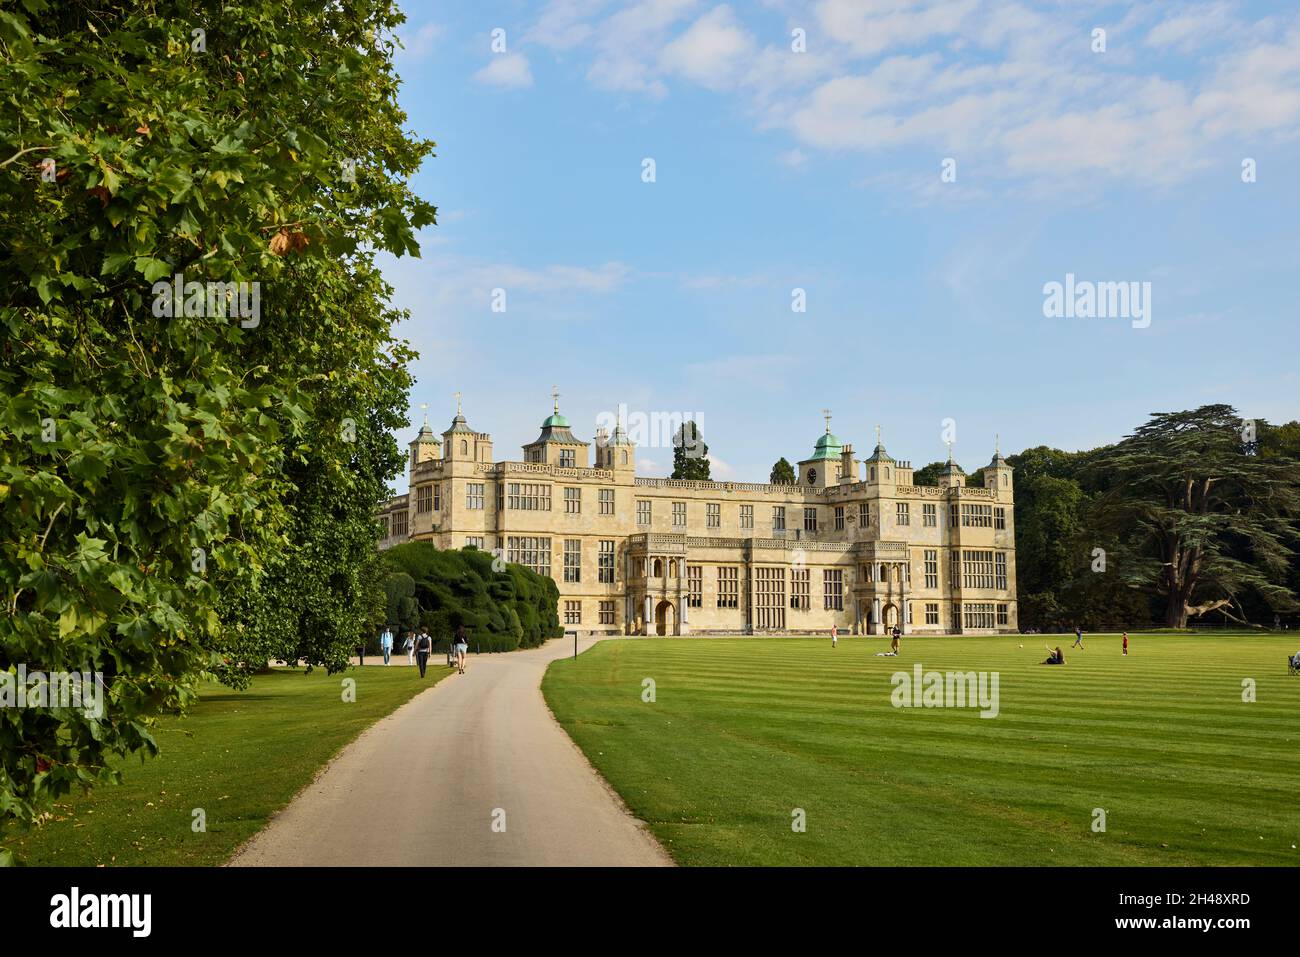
<point x="501" y="610"/>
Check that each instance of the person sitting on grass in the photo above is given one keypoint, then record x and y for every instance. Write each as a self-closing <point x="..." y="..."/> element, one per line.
<point x="1054" y="656"/>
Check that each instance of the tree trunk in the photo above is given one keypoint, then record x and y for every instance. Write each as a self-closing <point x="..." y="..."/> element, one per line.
<point x="1176" y="610"/>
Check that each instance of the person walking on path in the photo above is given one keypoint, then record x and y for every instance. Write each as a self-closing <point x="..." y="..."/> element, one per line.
<point x="462" y="646"/>
<point x="1078" y="638"/>
<point x="408" y="645"/>
<point x="835" y="635"/>
<point x="386" y="644"/>
<point x="423" y="646"/>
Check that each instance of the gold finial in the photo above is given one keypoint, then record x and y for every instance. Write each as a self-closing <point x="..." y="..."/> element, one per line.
<point x="877" y="435"/>
<point x="555" y="397"/>
<point x="425" y="407"/>
<point x="457" y="397"/>
<point x="826" y="414"/>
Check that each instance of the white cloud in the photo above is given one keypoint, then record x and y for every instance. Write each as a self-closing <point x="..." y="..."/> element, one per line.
<point x="508" y="71"/>
<point x="1193" y="27"/>
<point x="628" y="44"/>
<point x="565" y="24"/>
<point x="713" y="51"/>
<point x="870" y="27"/>
<point x="418" y="42"/>
<point x="1015" y="85"/>
<point x="719" y="470"/>
<point x="794" y="159"/>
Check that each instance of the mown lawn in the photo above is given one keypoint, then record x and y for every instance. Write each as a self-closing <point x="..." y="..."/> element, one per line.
<point x="238" y="755"/>
<point x="744" y="731"/>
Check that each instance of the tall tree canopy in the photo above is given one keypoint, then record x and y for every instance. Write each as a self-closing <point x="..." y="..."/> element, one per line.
<point x="690" y="454"/>
<point x="1198" y="516"/>
<point x="159" y="456"/>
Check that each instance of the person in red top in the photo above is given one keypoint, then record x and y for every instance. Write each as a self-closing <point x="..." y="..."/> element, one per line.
<point x="1126" y="644"/>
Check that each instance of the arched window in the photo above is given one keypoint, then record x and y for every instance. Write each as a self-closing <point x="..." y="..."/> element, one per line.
<point x="873" y="473"/>
<point x="672" y="568"/>
<point x="625" y="458"/>
<point x="464" y="447"/>
<point x="1004" y="480"/>
<point x="659" y="568"/>
<point x="886" y="473"/>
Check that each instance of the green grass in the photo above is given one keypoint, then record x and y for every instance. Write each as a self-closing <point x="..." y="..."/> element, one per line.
<point x="238" y="755"/>
<point x="745" y="730"/>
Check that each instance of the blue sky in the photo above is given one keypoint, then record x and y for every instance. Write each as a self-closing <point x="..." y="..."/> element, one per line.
<point x="820" y="170"/>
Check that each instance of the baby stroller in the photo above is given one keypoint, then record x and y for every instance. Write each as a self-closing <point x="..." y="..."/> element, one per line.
<point x="1293" y="664"/>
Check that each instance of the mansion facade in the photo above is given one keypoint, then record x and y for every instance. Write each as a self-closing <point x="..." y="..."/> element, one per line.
<point x="852" y="543"/>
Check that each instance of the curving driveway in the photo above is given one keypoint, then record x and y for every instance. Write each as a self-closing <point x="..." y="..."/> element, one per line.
<point x="433" y="783"/>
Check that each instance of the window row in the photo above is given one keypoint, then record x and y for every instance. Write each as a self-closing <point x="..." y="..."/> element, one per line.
<point x="983" y="614"/>
<point x="525" y="496"/>
<point x="573" y="612"/>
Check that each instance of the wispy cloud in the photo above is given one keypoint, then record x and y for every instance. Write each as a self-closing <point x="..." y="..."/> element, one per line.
<point x="507" y="71"/>
<point x="1017" y="85"/>
<point x="418" y="41"/>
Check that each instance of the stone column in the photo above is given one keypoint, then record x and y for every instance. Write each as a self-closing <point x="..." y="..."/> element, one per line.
<point x="649" y="611"/>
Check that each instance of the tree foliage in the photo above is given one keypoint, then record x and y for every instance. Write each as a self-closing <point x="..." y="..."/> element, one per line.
<point x="1181" y="519"/>
<point x="690" y="454"/>
<point x="1198" y="516"/>
<point x="782" y="472"/>
<point x="929" y="474"/>
<point x="163" y="477"/>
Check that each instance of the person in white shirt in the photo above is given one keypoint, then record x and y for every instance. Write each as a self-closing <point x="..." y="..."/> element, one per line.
<point x="386" y="644"/>
<point x="409" y="647"/>
<point x="835" y="635"/>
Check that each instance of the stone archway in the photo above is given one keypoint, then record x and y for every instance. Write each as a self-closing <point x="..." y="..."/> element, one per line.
<point x="889" y="616"/>
<point x="665" y="618"/>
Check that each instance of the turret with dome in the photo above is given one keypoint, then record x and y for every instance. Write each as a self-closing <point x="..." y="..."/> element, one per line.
<point x="557" y="445"/>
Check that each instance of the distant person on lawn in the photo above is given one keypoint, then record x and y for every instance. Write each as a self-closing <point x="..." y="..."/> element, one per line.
<point x="462" y="646"/>
<point x="1078" y="638"/>
<point x="423" y="646"/>
<point x="835" y="635"/>
<point x="897" y="634"/>
<point x="1126" y="644"/>
<point x="386" y="644"/>
<point x="1055" y="656"/>
<point x="408" y="645"/>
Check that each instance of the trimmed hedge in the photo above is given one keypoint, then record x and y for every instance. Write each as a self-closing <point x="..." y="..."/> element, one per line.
<point x="501" y="611"/>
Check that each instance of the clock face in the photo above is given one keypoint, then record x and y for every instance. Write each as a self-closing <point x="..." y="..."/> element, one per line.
<point x="812" y="476"/>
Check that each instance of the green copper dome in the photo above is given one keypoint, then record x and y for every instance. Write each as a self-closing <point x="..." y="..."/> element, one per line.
<point x="828" y="447"/>
<point x="556" y="421"/>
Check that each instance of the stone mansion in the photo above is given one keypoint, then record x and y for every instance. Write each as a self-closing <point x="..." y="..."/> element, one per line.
<point x="852" y="543"/>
